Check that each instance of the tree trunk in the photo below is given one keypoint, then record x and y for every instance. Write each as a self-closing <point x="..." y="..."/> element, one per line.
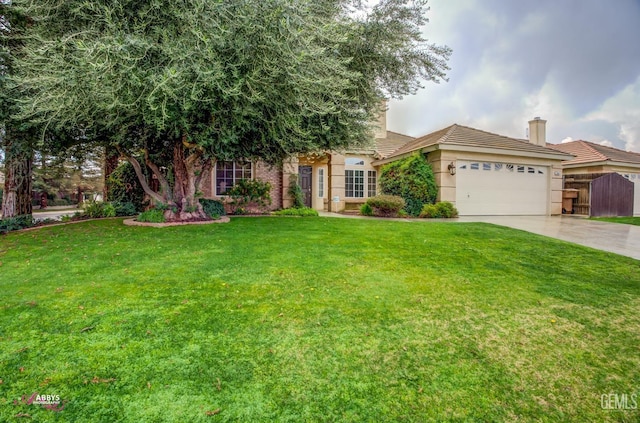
<point x="16" y="200"/>
<point x="186" y="169"/>
<point x="111" y="157"/>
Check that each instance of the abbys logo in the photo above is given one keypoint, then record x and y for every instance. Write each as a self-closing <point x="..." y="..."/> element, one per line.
<point x="50" y="402"/>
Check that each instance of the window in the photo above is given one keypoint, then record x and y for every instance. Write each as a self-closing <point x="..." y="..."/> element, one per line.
<point x="520" y="169"/>
<point x="354" y="161"/>
<point x="371" y="183"/>
<point x="321" y="182"/>
<point x="486" y="166"/>
<point x="475" y="166"/>
<point x="531" y="170"/>
<point x="497" y="166"/>
<point x="354" y="183"/>
<point x="228" y="173"/>
<point x="510" y="167"/>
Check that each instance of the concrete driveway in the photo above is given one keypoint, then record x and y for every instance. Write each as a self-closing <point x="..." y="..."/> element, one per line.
<point x="613" y="237"/>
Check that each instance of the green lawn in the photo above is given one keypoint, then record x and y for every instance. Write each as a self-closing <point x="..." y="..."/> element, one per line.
<point x="315" y="319"/>
<point x="626" y="220"/>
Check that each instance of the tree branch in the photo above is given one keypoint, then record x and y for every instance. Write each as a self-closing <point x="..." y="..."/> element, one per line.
<point x="156" y="171"/>
<point x="141" y="178"/>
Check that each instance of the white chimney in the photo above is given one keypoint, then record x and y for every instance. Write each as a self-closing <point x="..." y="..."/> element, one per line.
<point x="538" y="131"/>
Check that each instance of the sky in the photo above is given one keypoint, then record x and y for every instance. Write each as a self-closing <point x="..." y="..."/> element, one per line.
<point x="574" y="63"/>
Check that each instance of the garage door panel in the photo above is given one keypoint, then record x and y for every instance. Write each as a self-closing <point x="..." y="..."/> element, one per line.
<point x="501" y="189"/>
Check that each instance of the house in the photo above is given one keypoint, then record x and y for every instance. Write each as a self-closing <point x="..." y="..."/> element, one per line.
<point x="592" y="161"/>
<point x="480" y="172"/>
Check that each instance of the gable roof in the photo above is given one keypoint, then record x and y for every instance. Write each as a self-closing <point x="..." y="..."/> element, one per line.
<point x="588" y="152"/>
<point x="464" y="136"/>
<point x="393" y="141"/>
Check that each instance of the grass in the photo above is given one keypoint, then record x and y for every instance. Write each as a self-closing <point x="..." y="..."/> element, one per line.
<point x="270" y="319"/>
<point x="625" y="220"/>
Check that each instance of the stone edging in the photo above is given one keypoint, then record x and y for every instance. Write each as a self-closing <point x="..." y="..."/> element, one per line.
<point x="133" y="222"/>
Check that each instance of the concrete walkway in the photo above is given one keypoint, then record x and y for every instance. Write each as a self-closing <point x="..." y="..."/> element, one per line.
<point x="612" y="237"/>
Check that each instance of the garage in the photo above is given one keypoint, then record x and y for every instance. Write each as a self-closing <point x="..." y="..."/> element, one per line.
<point x="496" y="188"/>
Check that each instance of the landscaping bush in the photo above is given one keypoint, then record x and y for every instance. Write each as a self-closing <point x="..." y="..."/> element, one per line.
<point x="124" y="209"/>
<point x="60" y="202"/>
<point x="213" y="208"/>
<point x="443" y="209"/>
<point x="94" y="209"/>
<point x="247" y="193"/>
<point x="366" y="210"/>
<point x="151" y="216"/>
<point x="123" y="187"/>
<point x="412" y="179"/>
<point x="15" y="223"/>
<point x="300" y="211"/>
<point x="386" y="205"/>
<point x="295" y="192"/>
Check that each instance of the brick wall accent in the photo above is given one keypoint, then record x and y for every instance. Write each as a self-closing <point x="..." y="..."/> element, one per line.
<point x="273" y="175"/>
<point x="261" y="171"/>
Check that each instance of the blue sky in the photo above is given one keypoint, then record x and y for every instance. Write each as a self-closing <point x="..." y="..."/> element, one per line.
<point x="575" y="63"/>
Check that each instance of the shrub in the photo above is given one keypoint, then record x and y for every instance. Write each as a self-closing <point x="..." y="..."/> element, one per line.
<point x="412" y="179"/>
<point x="108" y="210"/>
<point x="295" y="192"/>
<point x="15" y="223"/>
<point x="443" y="209"/>
<point x="213" y="208"/>
<point x="300" y="211"/>
<point x="403" y="213"/>
<point x="124" y="209"/>
<point x="366" y="210"/>
<point x="151" y="216"/>
<point x="94" y="209"/>
<point x="123" y="187"/>
<point x="386" y="205"/>
<point x="248" y="192"/>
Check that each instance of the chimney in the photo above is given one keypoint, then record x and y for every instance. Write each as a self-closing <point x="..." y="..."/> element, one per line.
<point x="381" y="124"/>
<point x="538" y="131"/>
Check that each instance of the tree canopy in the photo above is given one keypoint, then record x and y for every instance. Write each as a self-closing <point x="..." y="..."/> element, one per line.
<point x="220" y="79"/>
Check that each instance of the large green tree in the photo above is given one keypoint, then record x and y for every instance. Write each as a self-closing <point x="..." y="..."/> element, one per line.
<point x="195" y="81"/>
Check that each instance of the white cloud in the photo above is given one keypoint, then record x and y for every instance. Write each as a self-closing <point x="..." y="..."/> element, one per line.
<point x="622" y="110"/>
<point x="606" y="143"/>
<point x="566" y="140"/>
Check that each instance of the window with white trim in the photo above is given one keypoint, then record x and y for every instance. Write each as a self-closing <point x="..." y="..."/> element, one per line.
<point x="229" y="173"/>
<point x="321" y="182"/>
<point x="354" y="183"/>
<point x="372" y="182"/>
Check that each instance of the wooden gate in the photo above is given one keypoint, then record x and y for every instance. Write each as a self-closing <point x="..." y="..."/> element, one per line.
<point x="601" y="194"/>
<point x="611" y="195"/>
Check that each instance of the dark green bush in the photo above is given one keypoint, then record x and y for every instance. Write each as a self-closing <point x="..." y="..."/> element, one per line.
<point x="412" y="179"/>
<point x="443" y="209"/>
<point x="15" y="223"/>
<point x="366" y="210"/>
<point x="295" y="192"/>
<point x="300" y="211"/>
<point x="123" y="187"/>
<point x="213" y="208"/>
<point x="249" y="192"/>
<point x="151" y="216"/>
<point x="124" y="209"/>
<point x="386" y="205"/>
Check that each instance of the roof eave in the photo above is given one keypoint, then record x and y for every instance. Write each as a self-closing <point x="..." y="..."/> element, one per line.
<point x="600" y="163"/>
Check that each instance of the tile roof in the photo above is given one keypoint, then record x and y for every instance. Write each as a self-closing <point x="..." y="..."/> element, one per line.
<point x="471" y="137"/>
<point x="588" y="152"/>
<point x="393" y="141"/>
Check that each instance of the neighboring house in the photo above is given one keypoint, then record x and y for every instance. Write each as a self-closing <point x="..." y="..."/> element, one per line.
<point x="592" y="161"/>
<point x="480" y="172"/>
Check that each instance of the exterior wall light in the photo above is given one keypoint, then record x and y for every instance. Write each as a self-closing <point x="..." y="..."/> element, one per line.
<point x="452" y="168"/>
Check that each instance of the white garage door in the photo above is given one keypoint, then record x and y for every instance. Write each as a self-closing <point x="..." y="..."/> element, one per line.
<point x="491" y="188"/>
<point x="635" y="178"/>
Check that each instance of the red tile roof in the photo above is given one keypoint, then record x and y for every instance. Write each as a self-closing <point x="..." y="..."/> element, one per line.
<point x="471" y="137"/>
<point x="588" y="152"/>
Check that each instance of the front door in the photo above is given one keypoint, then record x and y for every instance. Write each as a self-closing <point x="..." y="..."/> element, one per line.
<point x="304" y="179"/>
